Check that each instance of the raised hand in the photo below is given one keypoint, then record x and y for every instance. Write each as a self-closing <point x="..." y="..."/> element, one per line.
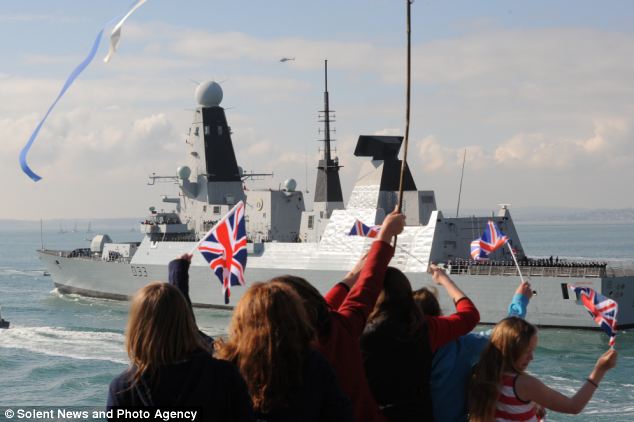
<point x="392" y="225"/>
<point x="186" y="256"/>
<point x="524" y="289"/>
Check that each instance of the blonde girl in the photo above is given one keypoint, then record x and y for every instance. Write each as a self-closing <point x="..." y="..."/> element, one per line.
<point x="501" y="390"/>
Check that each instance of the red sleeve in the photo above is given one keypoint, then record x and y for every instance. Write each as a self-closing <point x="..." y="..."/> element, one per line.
<point x="336" y="295"/>
<point x="360" y="301"/>
<point x="443" y="329"/>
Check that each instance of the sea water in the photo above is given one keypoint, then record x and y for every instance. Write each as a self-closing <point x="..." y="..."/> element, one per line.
<point x="63" y="350"/>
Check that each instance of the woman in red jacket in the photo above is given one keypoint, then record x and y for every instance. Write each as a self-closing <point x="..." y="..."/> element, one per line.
<point x="340" y="317"/>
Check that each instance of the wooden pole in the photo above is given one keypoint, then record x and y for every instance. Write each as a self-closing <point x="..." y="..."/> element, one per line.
<point x="407" y="106"/>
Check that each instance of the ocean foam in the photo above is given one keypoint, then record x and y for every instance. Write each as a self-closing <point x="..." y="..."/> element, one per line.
<point x="54" y="341"/>
<point x="8" y="271"/>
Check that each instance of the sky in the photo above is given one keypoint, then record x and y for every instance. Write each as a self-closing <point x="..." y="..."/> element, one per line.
<point x="538" y="93"/>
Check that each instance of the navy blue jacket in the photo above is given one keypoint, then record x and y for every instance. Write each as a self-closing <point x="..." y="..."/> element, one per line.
<point x="179" y="277"/>
<point x="214" y="386"/>
<point x="319" y="399"/>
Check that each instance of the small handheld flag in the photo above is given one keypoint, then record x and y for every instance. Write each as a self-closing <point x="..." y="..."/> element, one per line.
<point x="224" y="247"/>
<point x="360" y="229"/>
<point x="492" y="238"/>
<point x="476" y="252"/>
<point x="602" y="309"/>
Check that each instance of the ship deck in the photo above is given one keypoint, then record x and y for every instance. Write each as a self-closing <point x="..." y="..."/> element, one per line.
<point x="538" y="269"/>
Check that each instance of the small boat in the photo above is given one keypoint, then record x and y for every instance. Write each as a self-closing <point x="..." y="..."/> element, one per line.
<point x="3" y="323"/>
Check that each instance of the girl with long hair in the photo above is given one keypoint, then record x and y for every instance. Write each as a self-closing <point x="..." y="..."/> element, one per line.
<point x="399" y="341"/>
<point x="340" y="316"/>
<point x="270" y="341"/>
<point x="169" y="365"/>
<point x="500" y="388"/>
<point x="453" y="363"/>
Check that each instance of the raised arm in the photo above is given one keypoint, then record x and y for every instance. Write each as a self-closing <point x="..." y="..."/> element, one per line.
<point x="363" y="295"/>
<point x="520" y="300"/>
<point x="440" y="277"/>
<point x="443" y="329"/>
<point x="337" y="294"/>
<point x="178" y="270"/>
<point x="530" y="388"/>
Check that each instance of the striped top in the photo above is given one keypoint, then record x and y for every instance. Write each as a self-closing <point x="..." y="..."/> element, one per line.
<point x="509" y="407"/>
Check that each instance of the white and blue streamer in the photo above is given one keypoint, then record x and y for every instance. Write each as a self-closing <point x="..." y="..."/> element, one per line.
<point x="116" y="34"/>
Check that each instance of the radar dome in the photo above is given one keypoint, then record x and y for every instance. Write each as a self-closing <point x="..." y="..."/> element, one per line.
<point x="183" y="172"/>
<point x="209" y="94"/>
<point x="290" y="185"/>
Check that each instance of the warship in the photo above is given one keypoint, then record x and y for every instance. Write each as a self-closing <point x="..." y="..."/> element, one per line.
<point x="286" y="238"/>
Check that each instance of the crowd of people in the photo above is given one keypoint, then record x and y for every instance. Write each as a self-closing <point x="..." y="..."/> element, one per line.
<point x="371" y="349"/>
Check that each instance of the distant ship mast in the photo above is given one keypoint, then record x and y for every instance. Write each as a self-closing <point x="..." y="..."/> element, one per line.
<point x="328" y="196"/>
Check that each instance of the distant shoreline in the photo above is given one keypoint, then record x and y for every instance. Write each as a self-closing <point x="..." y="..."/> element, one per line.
<point x="129" y="225"/>
<point x="571" y="222"/>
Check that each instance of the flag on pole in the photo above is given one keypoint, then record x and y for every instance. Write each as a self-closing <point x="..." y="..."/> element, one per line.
<point x="224" y="247"/>
<point x="492" y="238"/>
<point x="360" y="229"/>
<point x="476" y="252"/>
<point x="602" y="309"/>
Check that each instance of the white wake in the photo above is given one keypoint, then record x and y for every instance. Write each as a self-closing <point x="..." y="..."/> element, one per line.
<point x="53" y="341"/>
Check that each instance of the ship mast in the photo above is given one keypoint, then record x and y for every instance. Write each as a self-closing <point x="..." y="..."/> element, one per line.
<point x="326" y="120"/>
<point x="328" y="195"/>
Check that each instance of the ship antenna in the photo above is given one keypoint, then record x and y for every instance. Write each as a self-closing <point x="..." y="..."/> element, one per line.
<point x="41" y="234"/>
<point x="328" y="193"/>
<point x="464" y="158"/>
<point x="407" y="102"/>
<point x="326" y="117"/>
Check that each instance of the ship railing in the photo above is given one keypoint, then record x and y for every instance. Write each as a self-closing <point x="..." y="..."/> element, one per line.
<point x="620" y="269"/>
<point x="86" y="255"/>
<point x="527" y="271"/>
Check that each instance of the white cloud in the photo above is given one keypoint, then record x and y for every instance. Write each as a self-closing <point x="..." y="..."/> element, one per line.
<point x="528" y="102"/>
<point x="33" y="17"/>
<point x="606" y="146"/>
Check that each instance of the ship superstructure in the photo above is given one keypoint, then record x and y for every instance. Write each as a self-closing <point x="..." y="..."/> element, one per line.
<point x="328" y="196"/>
<point x="285" y="238"/>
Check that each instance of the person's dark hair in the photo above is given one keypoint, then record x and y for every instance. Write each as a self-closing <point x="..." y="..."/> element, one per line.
<point x="427" y="300"/>
<point x="314" y="303"/>
<point x="396" y="302"/>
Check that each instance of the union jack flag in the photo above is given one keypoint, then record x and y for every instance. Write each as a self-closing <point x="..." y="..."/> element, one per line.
<point x="360" y="229"/>
<point x="225" y="249"/>
<point x="476" y="252"/>
<point x="492" y="239"/>
<point x="602" y="309"/>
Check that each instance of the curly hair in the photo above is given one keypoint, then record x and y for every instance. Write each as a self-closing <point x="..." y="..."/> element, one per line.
<point x="269" y="338"/>
<point x="510" y="338"/>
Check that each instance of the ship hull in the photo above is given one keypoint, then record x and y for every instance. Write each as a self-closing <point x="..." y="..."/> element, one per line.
<point x="553" y="306"/>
